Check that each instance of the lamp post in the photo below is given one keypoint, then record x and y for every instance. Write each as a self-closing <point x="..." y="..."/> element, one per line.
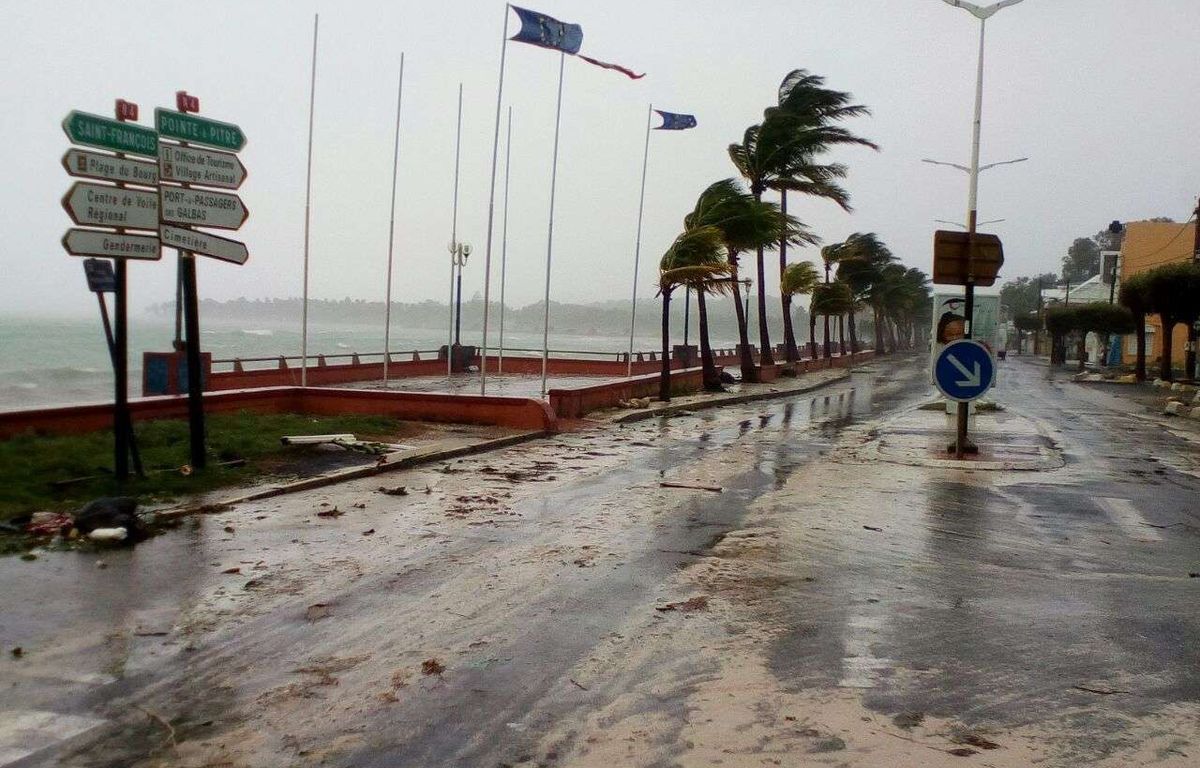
<point x="983" y="13"/>
<point x="747" y="283"/>
<point x="458" y="259"/>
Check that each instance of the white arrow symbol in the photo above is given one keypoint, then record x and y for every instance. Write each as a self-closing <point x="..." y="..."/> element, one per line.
<point x="972" y="379"/>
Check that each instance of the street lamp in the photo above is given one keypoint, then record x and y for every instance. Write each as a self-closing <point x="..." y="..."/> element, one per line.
<point x="458" y="259"/>
<point x="983" y="13"/>
<point x="964" y="226"/>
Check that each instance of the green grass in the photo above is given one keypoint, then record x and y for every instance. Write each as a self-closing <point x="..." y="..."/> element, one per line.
<point x="31" y="464"/>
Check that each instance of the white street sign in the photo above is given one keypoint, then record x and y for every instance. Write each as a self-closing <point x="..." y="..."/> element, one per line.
<point x="202" y="242"/>
<point x="107" y="206"/>
<point x="202" y="208"/>
<point x="208" y="167"/>
<point x="92" y="242"/>
<point x="97" y="165"/>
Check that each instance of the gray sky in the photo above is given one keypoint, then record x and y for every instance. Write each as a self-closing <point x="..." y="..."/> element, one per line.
<point x="1100" y="94"/>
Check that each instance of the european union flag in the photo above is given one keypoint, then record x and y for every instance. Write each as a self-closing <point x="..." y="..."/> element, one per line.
<point x="548" y="32"/>
<point x="674" y="121"/>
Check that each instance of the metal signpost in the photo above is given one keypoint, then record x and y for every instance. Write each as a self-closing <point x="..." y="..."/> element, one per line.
<point x="108" y="210"/>
<point x="183" y="206"/>
<point x="102" y="280"/>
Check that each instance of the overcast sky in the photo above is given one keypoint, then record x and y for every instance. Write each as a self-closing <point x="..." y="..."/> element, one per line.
<point x="1100" y="94"/>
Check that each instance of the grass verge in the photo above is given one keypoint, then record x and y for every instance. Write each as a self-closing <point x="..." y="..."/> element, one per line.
<point x="62" y="472"/>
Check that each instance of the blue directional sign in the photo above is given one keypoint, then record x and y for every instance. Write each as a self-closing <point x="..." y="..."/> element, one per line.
<point x="964" y="370"/>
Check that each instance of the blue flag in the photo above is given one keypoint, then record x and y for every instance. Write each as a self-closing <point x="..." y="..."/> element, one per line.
<point x="548" y="32"/>
<point x="674" y="121"/>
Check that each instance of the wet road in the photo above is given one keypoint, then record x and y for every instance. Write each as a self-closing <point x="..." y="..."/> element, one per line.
<point x="552" y="604"/>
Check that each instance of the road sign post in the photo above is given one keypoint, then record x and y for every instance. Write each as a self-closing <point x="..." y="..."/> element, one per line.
<point x="183" y="206"/>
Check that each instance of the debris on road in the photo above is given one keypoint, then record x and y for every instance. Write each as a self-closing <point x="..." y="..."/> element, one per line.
<point x="873" y="528"/>
<point x="399" y="490"/>
<point x="318" y="611"/>
<point x="698" y="603"/>
<point x="49" y="524"/>
<point x="432" y="667"/>
<point x="331" y="512"/>
<point x="235" y="569"/>
<point x="1099" y="691"/>
<point x="108" y="535"/>
<point x="908" y="720"/>
<point x="369" y="532"/>
<point x="109" y="512"/>
<point x="713" y="488"/>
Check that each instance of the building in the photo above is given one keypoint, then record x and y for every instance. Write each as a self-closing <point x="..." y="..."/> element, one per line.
<point x="1150" y="244"/>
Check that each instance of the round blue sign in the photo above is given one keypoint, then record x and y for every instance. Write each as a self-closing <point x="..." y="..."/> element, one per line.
<point x="964" y="370"/>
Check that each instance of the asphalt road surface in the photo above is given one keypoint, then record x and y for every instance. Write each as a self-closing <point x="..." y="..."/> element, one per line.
<point x="847" y="597"/>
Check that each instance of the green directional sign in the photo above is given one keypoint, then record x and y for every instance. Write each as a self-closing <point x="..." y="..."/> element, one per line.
<point x="200" y="130"/>
<point x="96" y="131"/>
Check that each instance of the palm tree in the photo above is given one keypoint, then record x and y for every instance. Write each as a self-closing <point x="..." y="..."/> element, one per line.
<point x="862" y="258"/>
<point x="696" y="259"/>
<point x="829" y="299"/>
<point x="801" y="277"/>
<point x="781" y="154"/>
<point x="744" y="223"/>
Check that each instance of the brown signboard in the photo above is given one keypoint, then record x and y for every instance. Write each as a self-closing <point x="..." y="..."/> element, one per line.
<point x="956" y="258"/>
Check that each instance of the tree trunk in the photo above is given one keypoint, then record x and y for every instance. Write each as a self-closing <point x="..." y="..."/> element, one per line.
<point x="853" y="334"/>
<point x="745" y="358"/>
<point x="789" y="332"/>
<point x="1082" y="349"/>
<point x="812" y="334"/>
<point x="765" y="357"/>
<point x="664" y="384"/>
<point x="712" y="379"/>
<point x="825" y="340"/>
<point x="1139" y="365"/>
<point x="842" y="335"/>
<point x="1168" y="333"/>
<point x="879" y="350"/>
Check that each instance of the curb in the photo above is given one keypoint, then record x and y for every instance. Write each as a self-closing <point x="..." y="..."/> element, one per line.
<point x="671" y="410"/>
<point x="405" y="461"/>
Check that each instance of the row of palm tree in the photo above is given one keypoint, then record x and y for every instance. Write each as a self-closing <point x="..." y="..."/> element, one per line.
<point x="785" y="153"/>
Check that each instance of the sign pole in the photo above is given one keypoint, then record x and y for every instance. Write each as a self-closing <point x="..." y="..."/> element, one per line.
<point x="121" y="376"/>
<point x="127" y="425"/>
<point x="191" y="314"/>
<point x="503" y="248"/>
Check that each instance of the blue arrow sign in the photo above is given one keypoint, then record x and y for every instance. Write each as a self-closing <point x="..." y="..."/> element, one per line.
<point x="964" y="370"/>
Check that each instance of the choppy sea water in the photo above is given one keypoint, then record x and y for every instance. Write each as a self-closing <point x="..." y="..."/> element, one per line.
<point x="46" y="362"/>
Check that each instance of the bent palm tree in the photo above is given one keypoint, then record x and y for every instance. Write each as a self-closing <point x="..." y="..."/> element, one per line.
<point x="782" y="153"/>
<point x="801" y="277"/>
<point x="744" y="223"/>
<point x="862" y="260"/>
<point x="696" y="259"/>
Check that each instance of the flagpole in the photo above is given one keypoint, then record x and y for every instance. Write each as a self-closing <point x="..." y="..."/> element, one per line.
<point x="387" y="311"/>
<point x="312" y="97"/>
<point x="487" y="253"/>
<point x="637" y="247"/>
<point x="454" y="240"/>
<point x="503" y="243"/>
<point x="562" y="60"/>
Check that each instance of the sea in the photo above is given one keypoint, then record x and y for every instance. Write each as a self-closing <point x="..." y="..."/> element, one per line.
<point x="64" y="361"/>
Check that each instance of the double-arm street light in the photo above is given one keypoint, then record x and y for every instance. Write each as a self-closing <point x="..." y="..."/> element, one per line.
<point x="983" y="13"/>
